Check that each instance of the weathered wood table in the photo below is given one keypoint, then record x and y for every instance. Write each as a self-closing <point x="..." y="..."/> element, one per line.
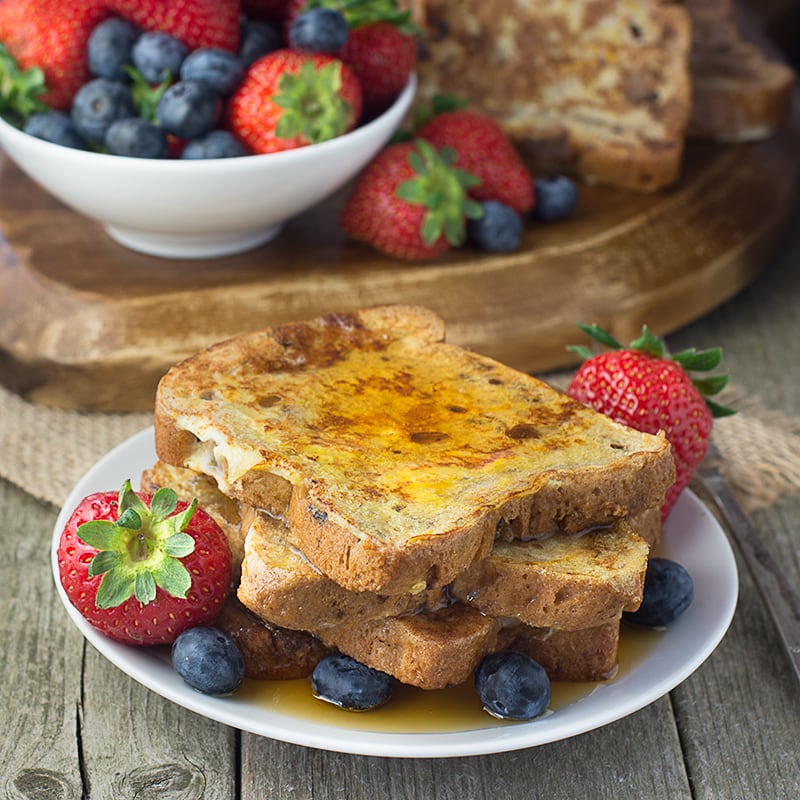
<point x="74" y="726"/>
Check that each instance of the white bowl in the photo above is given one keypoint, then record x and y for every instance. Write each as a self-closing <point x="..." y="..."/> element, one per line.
<point x="200" y="209"/>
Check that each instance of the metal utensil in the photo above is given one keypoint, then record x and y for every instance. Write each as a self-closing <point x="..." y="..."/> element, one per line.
<point x="780" y="597"/>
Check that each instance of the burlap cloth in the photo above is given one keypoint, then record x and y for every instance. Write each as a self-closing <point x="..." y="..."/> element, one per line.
<point x="45" y="451"/>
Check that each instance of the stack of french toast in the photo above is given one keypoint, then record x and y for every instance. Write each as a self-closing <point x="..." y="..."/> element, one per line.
<point x="408" y="502"/>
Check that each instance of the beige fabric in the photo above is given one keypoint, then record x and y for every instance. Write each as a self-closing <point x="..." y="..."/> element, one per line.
<point x="46" y="450"/>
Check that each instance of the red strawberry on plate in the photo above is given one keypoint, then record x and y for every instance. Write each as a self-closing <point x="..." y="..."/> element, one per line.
<point x="484" y="150"/>
<point x="143" y="568"/>
<point x="646" y="388"/>
<point x="53" y="36"/>
<point x="197" y="23"/>
<point x="290" y="99"/>
<point x="410" y="202"/>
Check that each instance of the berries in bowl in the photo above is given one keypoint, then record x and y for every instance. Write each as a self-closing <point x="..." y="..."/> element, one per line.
<point x="183" y="140"/>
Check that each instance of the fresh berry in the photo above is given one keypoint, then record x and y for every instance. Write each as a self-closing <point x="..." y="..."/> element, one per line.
<point x="512" y="685"/>
<point x="110" y="48"/>
<point x="208" y="660"/>
<point x="319" y="30"/>
<point x="142" y="569"/>
<point x="410" y="202"/>
<point x="189" y="109"/>
<point x="383" y="56"/>
<point x="668" y="592"/>
<point x="136" y="138"/>
<point x="52" y="36"/>
<point x="485" y="151"/>
<point x="220" y="69"/>
<point x="97" y="104"/>
<point x="158" y="56"/>
<point x="347" y="683"/>
<point x="290" y="99"/>
<point x="646" y="388"/>
<point x="55" y="127"/>
<point x="499" y="230"/>
<point x="197" y="23"/>
<point x="215" y="144"/>
<point x="258" y="38"/>
<point x="556" y="197"/>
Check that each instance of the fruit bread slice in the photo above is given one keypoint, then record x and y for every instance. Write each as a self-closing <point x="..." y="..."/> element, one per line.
<point x="395" y="456"/>
<point x="601" y="89"/>
<point x="566" y="581"/>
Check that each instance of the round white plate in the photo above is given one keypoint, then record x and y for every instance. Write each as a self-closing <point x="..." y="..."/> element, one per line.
<point x="692" y="537"/>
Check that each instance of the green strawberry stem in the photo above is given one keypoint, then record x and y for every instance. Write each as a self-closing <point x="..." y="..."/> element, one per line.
<point x="141" y="550"/>
<point x="20" y="90"/>
<point x="692" y="360"/>
<point x="361" y="12"/>
<point x="146" y="95"/>
<point x="442" y="189"/>
<point x="313" y="107"/>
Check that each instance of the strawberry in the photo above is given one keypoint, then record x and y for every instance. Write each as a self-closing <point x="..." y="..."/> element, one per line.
<point x="484" y="150"/>
<point x="290" y="99"/>
<point x="52" y="36"/>
<point x="381" y="48"/>
<point x="143" y="568"/>
<point x="646" y="388"/>
<point x="197" y="23"/>
<point x="383" y="57"/>
<point x="410" y="202"/>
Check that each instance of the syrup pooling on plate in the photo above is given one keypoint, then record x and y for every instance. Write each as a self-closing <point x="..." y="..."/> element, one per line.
<point x="412" y="710"/>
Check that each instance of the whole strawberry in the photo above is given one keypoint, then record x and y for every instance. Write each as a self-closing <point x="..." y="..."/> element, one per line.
<point x="646" y="388"/>
<point x="52" y="36"/>
<point x="290" y="99"/>
<point x="197" y="23"/>
<point x="411" y="202"/>
<point x="383" y="56"/>
<point x="484" y="150"/>
<point x="142" y="569"/>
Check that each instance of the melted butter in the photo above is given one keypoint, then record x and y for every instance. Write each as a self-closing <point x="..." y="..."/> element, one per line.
<point x="412" y="710"/>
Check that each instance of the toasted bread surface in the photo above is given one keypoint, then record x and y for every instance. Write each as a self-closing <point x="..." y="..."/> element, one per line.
<point x="401" y="455"/>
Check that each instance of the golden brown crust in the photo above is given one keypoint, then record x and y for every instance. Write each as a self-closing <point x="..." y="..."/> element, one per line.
<point x="269" y="651"/>
<point x="582" y="655"/>
<point x="403" y="455"/>
<point x="596" y="88"/>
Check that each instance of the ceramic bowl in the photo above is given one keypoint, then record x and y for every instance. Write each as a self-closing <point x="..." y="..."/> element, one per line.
<point x="200" y="209"/>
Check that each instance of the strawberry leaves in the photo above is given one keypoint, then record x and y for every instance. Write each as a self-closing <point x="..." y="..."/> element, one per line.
<point x="691" y="360"/>
<point x="21" y="90"/>
<point x="141" y="550"/>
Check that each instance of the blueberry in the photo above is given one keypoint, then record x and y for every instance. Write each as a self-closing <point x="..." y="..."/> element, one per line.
<point x="499" y="230"/>
<point x="208" y="660"/>
<point x="55" y="127"/>
<point x="110" y="46"/>
<point x="556" y="197"/>
<point x="158" y="56"/>
<point x="215" y="144"/>
<point x="318" y="30"/>
<point x="258" y="38"/>
<point x="221" y="70"/>
<point x="189" y="109"/>
<point x="137" y="138"/>
<point x="512" y="685"/>
<point x="668" y="592"/>
<point x="345" y="682"/>
<point x="97" y="104"/>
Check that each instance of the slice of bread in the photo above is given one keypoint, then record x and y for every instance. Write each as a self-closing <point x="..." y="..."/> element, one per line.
<point x="600" y="89"/>
<point x="397" y="457"/>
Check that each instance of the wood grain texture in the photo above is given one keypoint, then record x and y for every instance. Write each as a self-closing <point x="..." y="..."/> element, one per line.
<point x="85" y="323"/>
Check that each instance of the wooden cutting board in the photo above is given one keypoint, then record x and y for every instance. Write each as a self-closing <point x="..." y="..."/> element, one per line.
<point x="86" y="324"/>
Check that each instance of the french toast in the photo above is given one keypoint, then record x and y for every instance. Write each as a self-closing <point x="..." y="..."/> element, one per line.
<point x="393" y="457"/>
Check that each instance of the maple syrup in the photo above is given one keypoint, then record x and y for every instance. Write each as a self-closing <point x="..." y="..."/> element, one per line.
<point x="412" y="710"/>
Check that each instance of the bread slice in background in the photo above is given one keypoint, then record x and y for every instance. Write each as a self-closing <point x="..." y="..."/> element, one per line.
<point x="397" y="457"/>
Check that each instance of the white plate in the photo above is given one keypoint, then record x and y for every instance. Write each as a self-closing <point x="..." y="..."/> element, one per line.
<point x="692" y="537"/>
